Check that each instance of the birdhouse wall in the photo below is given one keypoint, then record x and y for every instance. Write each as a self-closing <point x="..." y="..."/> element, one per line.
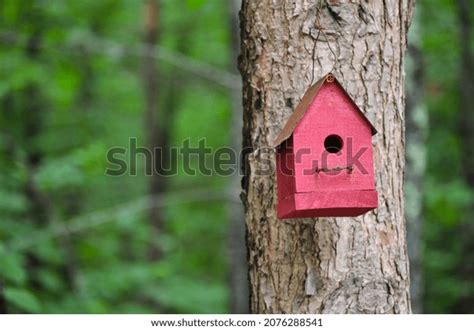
<point x="285" y="171"/>
<point x="332" y="112"/>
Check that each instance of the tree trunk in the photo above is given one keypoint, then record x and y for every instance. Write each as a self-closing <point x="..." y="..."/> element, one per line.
<point x="466" y="87"/>
<point x="238" y="275"/>
<point x="42" y="209"/>
<point x="417" y="125"/>
<point x="466" y="124"/>
<point x="3" y="302"/>
<point x="155" y="133"/>
<point x="325" y="265"/>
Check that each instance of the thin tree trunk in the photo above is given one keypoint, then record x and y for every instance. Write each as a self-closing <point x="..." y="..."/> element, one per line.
<point x="42" y="208"/>
<point x="3" y="302"/>
<point x="466" y="124"/>
<point x="466" y="87"/>
<point x="417" y="124"/>
<point x="156" y="136"/>
<point x="326" y="265"/>
<point x="239" y="295"/>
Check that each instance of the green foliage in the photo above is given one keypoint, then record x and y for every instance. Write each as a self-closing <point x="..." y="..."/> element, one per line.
<point x="195" y="4"/>
<point x="22" y="299"/>
<point x="73" y="240"/>
<point x="12" y="268"/>
<point x="447" y="199"/>
<point x="207" y="296"/>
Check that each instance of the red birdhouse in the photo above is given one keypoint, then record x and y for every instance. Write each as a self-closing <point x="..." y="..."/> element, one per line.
<point x="324" y="156"/>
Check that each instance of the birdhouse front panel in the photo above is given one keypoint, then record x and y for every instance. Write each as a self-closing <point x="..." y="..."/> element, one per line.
<point x="333" y="145"/>
<point x="327" y="143"/>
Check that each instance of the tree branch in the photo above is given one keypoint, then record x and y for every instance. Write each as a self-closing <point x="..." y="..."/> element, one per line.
<point x="113" y="49"/>
<point x="102" y="217"/>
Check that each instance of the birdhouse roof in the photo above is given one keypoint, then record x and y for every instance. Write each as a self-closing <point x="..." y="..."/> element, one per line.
<point x="304" y="105"/>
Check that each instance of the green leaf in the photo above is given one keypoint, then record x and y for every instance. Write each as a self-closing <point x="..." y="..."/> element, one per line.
<point x="22" y="299"/>
<point x="50" y="280"/>
<point x="12" y="201"/>
<point x="58" y="174"/>
<point x="11" y="267"/>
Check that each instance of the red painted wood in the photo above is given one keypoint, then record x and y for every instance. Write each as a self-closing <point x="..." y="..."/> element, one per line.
<point x="315" y="188"/>
<point x="285" y="169"/>
<point x="327" y="204"/>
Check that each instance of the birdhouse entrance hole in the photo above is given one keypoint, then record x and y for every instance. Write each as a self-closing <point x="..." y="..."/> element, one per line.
<point x="333" y="143"/>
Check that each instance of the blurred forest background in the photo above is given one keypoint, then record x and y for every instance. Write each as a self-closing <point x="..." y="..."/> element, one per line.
<point x="80" y="77"/>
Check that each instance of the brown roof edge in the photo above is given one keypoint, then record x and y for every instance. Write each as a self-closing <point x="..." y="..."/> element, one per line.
<point x="304" y="104"/>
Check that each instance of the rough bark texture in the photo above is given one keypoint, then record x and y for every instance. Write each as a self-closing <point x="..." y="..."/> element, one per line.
<point x="238" y="275"/>
<point x="325" y="265"/>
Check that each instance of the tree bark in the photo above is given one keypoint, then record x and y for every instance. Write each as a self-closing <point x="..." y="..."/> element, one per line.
<point x="238" y="275"/>
<point x="325" y="265"/>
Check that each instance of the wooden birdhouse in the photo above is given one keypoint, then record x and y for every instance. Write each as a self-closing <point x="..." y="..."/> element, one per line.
<point x="324" y="162"/>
